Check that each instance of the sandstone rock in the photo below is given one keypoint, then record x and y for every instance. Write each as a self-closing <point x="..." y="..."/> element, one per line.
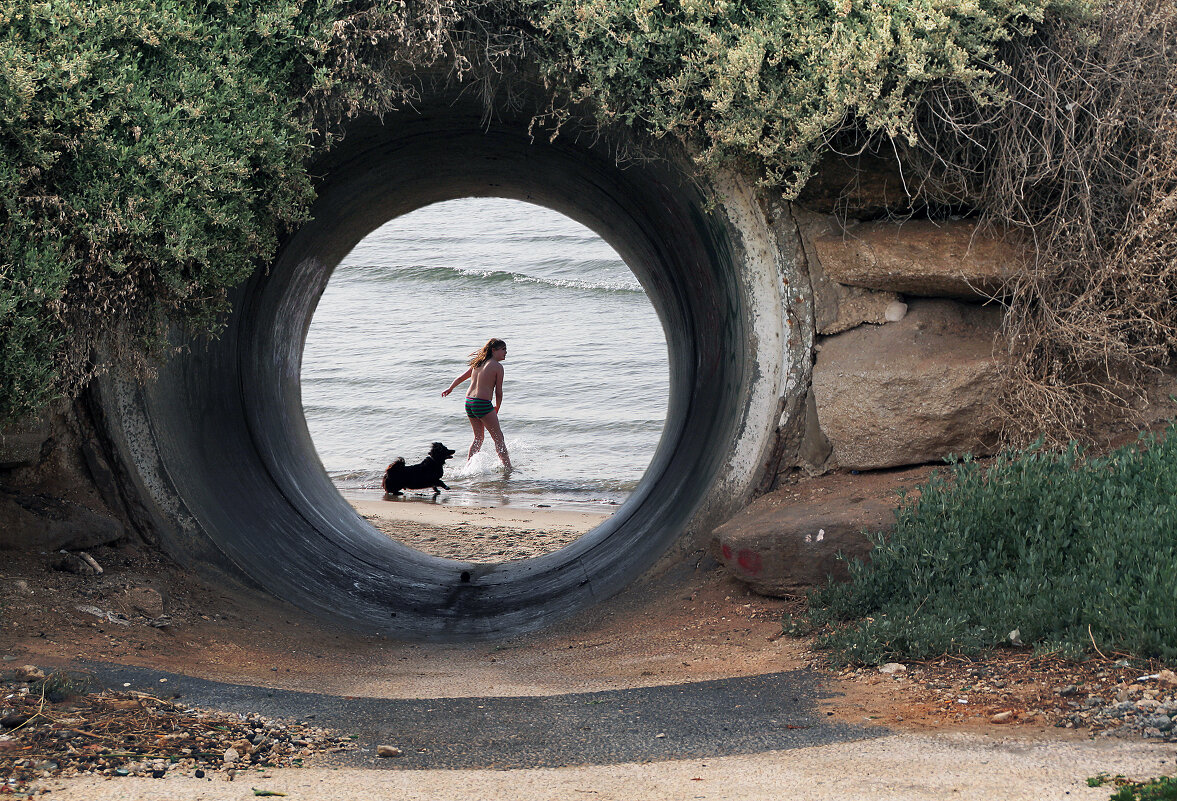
<point x="66" y="562"/>
<point x="21" y="442"/>
<point x="1002" y="717"/>
<point x="782" y="548"/>
<point x="387" y="751"/>
<point x="913" y="391"/>
<point x="814" y="450"/>
<point x="918" y="257"/>
<point x="146" y="600"/>
<point x="837" y="307"/>
<point x="892" y="668"/>
<point x="29" y="673"/>
<point x="864" y="185"/>
<point x="36" y="522"/>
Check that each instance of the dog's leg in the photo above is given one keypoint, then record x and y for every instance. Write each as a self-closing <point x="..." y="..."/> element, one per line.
<point x="441" y="484"/>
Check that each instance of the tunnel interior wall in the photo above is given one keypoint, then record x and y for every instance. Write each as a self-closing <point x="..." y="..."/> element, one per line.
<point x="219" y="449"/>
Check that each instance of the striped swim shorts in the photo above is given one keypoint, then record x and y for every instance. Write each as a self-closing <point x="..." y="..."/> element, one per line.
<point x="478" y="407"/>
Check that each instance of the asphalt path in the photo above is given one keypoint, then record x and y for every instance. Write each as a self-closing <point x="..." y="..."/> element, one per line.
<point x="725" y="717"/>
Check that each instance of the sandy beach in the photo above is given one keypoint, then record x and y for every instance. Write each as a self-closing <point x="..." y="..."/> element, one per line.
<point x="474" y="533"/>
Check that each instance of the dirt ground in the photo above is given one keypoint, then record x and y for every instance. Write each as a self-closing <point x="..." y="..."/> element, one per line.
<point x="698" y="624"/>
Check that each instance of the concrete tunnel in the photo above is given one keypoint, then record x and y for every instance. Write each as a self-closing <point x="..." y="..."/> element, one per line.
<point x="218" y="456"/>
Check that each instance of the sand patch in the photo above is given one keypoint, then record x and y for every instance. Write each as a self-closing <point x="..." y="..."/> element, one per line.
<point x="477" y="534"/>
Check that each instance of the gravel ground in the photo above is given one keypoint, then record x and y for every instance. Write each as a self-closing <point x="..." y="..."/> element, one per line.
<point x="904" y="767"/>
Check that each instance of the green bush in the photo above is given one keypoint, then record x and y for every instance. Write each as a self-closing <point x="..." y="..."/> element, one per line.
<point x="1162" y="789"/>
<point x="1072" y="552"/>
<point x="150" y="157"/>
<point x="766" y="84"/>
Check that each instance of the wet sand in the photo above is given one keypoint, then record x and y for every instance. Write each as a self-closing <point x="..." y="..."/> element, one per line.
<point x="477" y="534"/>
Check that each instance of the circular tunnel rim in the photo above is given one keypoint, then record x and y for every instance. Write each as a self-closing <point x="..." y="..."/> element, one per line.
<point x="720" y="318"/>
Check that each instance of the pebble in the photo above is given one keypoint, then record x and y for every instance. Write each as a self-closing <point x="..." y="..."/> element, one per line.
<point x="1002" y="717"/>
<point x="893" y="667"/>
<point x="231" y="756"/>
<point x="29" y="673"/>
<point x="387" y="751"/>
<point x="895" y="311"/>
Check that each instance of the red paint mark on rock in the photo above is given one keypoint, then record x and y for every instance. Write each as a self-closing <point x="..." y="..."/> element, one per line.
<point x="726" y="550"/>
<point x="749" y="561"/>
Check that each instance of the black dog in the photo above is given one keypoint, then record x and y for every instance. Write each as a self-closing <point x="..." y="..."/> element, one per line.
<point x="400" y="476"/>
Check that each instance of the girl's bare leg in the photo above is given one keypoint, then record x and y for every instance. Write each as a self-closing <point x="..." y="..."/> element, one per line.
<point x="479" y="430"/>
<point x="491" y="421"/>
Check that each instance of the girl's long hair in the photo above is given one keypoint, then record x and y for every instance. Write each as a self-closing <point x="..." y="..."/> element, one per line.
<point x="482" y="355"/>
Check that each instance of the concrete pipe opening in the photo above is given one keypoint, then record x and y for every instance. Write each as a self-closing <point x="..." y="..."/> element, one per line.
<point x="221" y="458"/>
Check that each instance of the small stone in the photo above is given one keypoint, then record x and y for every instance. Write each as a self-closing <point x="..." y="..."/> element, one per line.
<point x="893" y="667"/>
<point x="146" y="600"/>
<point x="896" y="310"/>
<point x="1002" y="717"/>
<point x="73" y="563"/>
<point x="20" y="587"/>
<point x="1167" y="677"/>
<point x="387" y="751"/>
<point x="1068" y="691"/>
<point x="1158" y="722"/>
<point x="231" y="756"/>
<point x="29" y="673"/>
<point x="14" y="719"/>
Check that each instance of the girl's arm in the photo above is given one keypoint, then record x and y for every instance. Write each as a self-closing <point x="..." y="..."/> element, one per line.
<point x="499" y="390"/>
<point x="457" y="381"/>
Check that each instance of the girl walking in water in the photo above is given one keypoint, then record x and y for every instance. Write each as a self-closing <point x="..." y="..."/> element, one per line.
<point x="486" y="374"/>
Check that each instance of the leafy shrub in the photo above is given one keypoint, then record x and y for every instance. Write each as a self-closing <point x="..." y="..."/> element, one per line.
<point x="765" y="84"/>
<point x="1162" y="789"/>
<point x="1068" y="550"/>
<point x="150" y="157"/>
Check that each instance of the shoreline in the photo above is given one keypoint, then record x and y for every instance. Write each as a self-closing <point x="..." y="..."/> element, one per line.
<point x="479" y="534"/>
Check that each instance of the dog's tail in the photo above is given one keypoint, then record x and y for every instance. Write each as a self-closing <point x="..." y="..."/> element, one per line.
<point x="396" y="465"/>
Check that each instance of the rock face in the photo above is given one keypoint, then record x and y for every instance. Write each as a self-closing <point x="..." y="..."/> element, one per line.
<point x="863" y="186"/>
<point x="37" y="522"/>
<point x="912" y="391"/>
<point x="782" y="549"/>
<point x="836" y="307"/>
<point x="918" y="257"/>
<point x="21" y="443"/>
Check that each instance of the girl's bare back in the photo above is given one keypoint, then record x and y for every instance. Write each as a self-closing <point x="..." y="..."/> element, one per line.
<point x="483" y="380"/>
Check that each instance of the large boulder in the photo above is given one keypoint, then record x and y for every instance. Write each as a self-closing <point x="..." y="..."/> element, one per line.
<point x="837" y="307"/>
<point x="912" y="391"/>
<point x="919" y="257"/>
<point x="785" y="544"/>
<point x="39" y="522"/>
<point x="863" y="186"/>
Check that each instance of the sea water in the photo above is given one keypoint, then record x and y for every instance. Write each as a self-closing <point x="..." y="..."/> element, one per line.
<point x="585" y="388"/>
